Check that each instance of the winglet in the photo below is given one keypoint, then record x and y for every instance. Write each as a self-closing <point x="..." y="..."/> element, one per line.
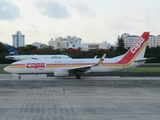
<point x="95" y="57"/>
<point x="103" y="56"/>
<point x="101" y="60"/>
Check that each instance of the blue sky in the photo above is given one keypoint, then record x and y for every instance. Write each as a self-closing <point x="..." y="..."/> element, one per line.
<point x="92" y="20"/>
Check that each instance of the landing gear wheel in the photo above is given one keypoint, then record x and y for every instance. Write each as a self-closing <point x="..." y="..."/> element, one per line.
<point x="78" y="76"/>
<point x="19" y="77"/>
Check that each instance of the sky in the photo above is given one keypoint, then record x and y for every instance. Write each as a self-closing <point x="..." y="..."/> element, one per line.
<point x="94" y="21"/>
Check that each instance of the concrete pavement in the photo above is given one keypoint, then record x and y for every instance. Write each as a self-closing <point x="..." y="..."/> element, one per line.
<point x="90" y="98"/>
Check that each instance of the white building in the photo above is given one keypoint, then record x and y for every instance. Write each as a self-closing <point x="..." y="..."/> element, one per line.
<point x="88" y="46"/>
<point x="154" y="41"/>
<point x="18" y="39"/>
<point x="129" y="40"/>
<point x="37" y="44"/>
<point x="52" y="43"/>
<point x="65" y="43"/>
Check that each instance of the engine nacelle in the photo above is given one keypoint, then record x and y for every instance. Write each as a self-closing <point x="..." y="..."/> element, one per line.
<point x="61" y="72"/>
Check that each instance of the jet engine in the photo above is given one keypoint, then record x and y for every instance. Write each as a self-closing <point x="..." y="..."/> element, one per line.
<point x="61" y="72"/>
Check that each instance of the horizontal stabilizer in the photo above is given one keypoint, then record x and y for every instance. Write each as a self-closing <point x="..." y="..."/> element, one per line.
<point x="144" y="59"/>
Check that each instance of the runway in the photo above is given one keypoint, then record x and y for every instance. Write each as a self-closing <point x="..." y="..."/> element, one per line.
<point x="90" y="98"/>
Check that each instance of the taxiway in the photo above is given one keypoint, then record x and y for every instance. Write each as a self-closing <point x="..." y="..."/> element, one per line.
<point x="90" y="98"/>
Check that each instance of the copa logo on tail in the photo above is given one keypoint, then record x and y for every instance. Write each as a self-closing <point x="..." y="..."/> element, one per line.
<point x="137" y="45"/>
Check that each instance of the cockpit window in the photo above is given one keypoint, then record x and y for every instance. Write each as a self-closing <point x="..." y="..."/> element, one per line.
<point x="17" y="64"/>
<point x="12" y="64"/>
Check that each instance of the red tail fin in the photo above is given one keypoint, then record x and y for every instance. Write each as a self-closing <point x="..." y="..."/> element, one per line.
<point x="136" y="49"/>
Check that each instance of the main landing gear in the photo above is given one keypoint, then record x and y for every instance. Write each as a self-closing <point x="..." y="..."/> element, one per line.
<point x="78" y="76"/>
<point x="19" y="77"/>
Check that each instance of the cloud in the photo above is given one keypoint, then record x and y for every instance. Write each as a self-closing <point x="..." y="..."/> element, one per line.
<point x="133" y="20"/>
<point x="83" y="9"/>
<point x="8" y="11"/>
<point x="52" y="9"/>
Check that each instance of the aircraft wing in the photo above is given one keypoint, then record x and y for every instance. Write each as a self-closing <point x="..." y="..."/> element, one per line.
<point x="144" y="59"/>
<point x="85" y="68"/>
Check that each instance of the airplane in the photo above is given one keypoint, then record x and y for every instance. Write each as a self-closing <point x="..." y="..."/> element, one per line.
<point x="13" y="55"/>
<point x="65" y="67"/>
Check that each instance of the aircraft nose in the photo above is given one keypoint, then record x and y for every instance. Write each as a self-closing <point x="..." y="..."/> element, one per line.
<point x="6" y="69"/>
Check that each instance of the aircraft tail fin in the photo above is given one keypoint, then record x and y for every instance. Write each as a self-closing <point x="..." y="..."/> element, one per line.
<point x="11" y="50"/>
<point x="137" y="51"/>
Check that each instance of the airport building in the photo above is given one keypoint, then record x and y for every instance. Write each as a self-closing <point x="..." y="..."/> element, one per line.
<point x="37" y="44"/>
<point x="129" y="40"/>
<point x="65" y="43"/>
<point x="18" y="39"/>
<point x="89" y="46"/>
<point x="52" y="43"/>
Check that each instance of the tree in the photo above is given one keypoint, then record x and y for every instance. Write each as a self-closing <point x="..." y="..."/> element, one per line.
<point x="3" y="53"/>
<point x="28" y="49"/>
<point x="120" y="45"/>
<point x="3" y="48"/>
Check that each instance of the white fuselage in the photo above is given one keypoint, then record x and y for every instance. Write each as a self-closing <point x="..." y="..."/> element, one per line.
<point x="29" y="57"/>
<point x="49" y="66"/>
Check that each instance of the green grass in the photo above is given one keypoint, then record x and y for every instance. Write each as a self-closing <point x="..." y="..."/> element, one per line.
<point x="1" y="68"/>
<point x="2" y="71"/>
<point x="143" y="69"/>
